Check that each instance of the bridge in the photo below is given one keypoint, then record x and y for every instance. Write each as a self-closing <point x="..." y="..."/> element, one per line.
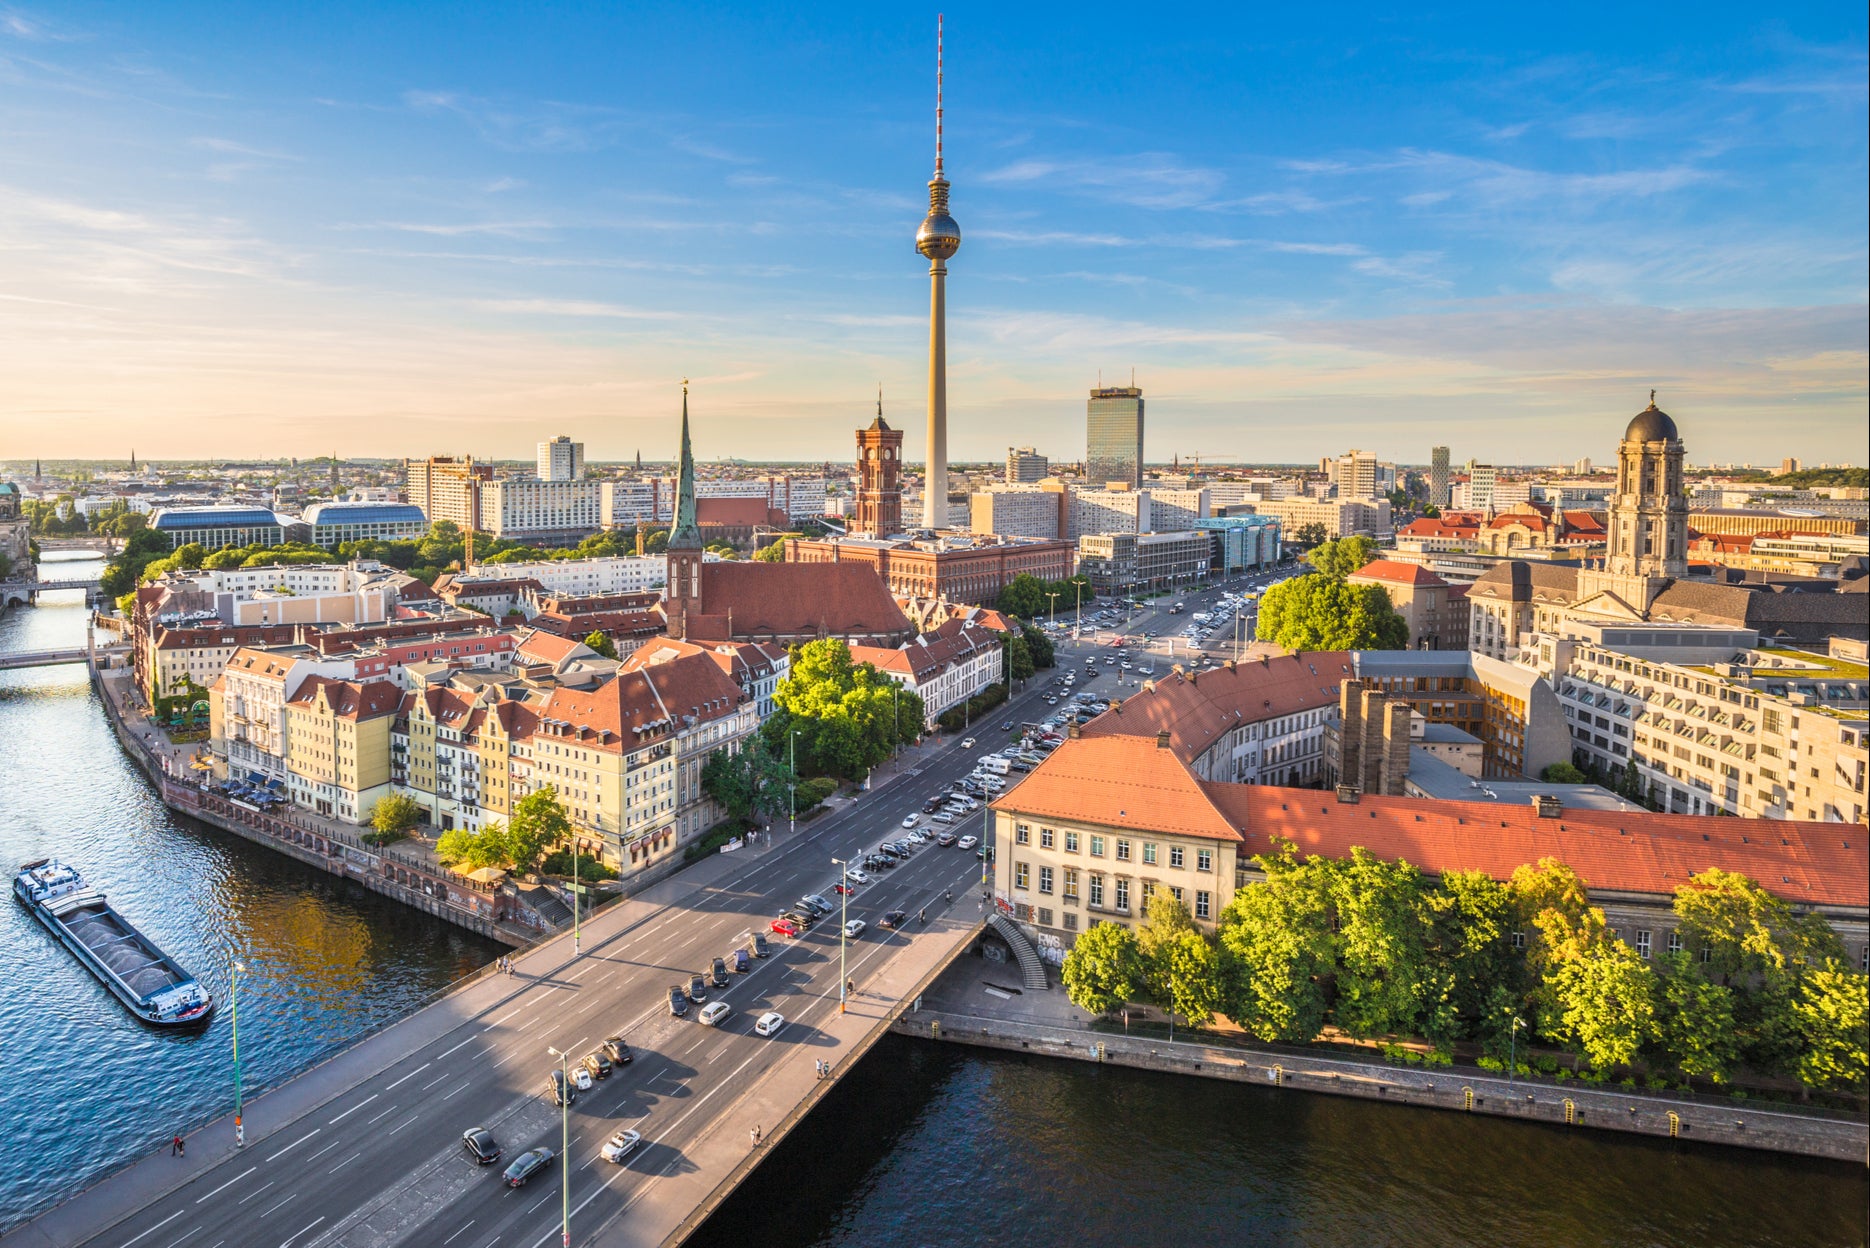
<point x="103" y="543"/>
<point x="42" y="658"/>
<point x="366" y="1148"/>
<point x="24" y="592"/>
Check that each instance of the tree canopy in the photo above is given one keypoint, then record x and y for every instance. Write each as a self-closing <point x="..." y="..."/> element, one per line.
<point x="1027" y="597"/>
<point x="1319" y="612"/>
<point x="848" y="716"/>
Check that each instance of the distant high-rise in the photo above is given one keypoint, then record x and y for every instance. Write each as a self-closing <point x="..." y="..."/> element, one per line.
<point x="879" y="501"/>
<point x="561" y="459"/>
<point x="1480" y="483"/>
<point x="1438" y="476"/>
<point x="1354" y="473"/>
<point x="448" y="489"/>
<point x="1788" y="466"/>
<point x="938" y="239"/>
<point x="1113" y="430"/>
<point x="1023" y="464"/>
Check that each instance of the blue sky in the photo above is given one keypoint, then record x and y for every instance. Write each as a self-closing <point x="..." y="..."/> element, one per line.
<point x="409" y="229"/>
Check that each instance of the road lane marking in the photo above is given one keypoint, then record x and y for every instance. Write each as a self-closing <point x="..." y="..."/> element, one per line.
<point x="451" y="1239"/>
<point x="174" y="1242"/>
<point x="282" y="1204"/>
<point x="288" y="1148"/>
<point x="469" y="1040"/>
<point x="462" y="1088"/>
<point x="412" y="1118"/>
<point x="353" y="1109"/>
<point x="308" y="1226"/>
<point x="411" y="1075"/>
<point x="152" y="1230"/>
<point x="437" y="1079"/>
<point x="321" y="1152"/>
<point x="347" y="1161"/>
<point x="223" y="1187"/>
<point x="385" y="1114"/>
<point x="250" y="1195"/>
<point x="509" y="1014"/>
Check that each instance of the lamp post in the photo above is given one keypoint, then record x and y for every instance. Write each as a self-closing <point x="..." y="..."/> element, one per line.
<point x="792" y="780"/>
<point x="1512" y="1049"/>
<point x="1052" y="608"/>
<point x="564" y="1138"/>
<point x="844" y="913"/>
<point x="233" y="1011"/>
<point x="574" y="893"/>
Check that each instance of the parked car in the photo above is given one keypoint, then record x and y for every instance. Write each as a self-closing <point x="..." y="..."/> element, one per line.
<point x="800" y="919"/>
<point x="719" y="973"/>
<point x="598" y="1064"/>
<point x="911" y="820"/>
<point x="945" y="839"/>
<point x="823" y="905"/>
<point x="931" y="806"/>
<point x="480" y="1145"/>
<point x="785" y="927"/>
<point x="893" y="920"/>
<point x="559" y="1090"/>
<point x="769" y="1023"/>
<point x="760" y="948"/>
<point x="712" y="1015"/>
<point x="969" y="842"/>
<point x="527" y="1164"/>
<point x="618" y="1051"/>
<point x="697" y="989"/>
<point x="856" y="876"/>
<point x="946" y="816"/>
<point x="854" y="929"/>
<point x="678" y="1001"/>
<point x="580" y="1079"/>
<point x="620" y="1146"/>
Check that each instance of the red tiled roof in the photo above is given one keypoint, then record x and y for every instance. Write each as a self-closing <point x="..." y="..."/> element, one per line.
<point x="539" y="646"/>
<point x="1397" y="572"/>
<point x="652" y="700"/>
<point x="1615" y="851"/>
<point x="733" y="512"/>
<point x="370" y="699"/>
<point x="1119" y="782"/>
<point x="1196" y="709"/>
<point x="747" y="599"/>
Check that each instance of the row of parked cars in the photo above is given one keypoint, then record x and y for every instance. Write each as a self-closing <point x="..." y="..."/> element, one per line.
<point x="563" y="1086"/>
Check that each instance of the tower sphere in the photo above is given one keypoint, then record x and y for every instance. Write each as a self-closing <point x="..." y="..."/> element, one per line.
<point x="939" y="238"/>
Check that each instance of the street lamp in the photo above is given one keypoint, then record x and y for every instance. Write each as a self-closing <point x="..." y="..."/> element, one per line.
<point x="844" y="913"/>
<point x="564" y="1136"/>
<point x="1512" y="1050"/>
<point x="792" y="780"/>
<point x="1052" y="608"/>
<point x="233" y="1011"/>
<point x="574" y="893"/>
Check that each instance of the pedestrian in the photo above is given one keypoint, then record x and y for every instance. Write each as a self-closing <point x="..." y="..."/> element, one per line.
<point x="756" y="1133"/>
<point x="178" y="1147"/>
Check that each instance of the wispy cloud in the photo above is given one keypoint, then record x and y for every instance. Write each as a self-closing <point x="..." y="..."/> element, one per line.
<point x="571" y="307"/>
<point x="1149" y="180"/>
<point x="537" y="125"/>
<point x="1050" y="238"/>
<point x="1320" y="249"/>
<point x="462" y="229"/>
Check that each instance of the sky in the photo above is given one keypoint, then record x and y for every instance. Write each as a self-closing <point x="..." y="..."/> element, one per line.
<point x="413" y="228"/>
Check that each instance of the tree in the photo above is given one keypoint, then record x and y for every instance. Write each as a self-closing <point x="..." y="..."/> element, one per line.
<point x="1694" y="1020"/>
<point x="1308" y="534"/>
<point x="750" y="782"/>
<point x="1104" y="969"/>
<point x="1604" y="999"/>
<point x="775" y="553"/>
<point x="1276" y="941"/>
<point x="1832" y="1014"/>
<point x="1319" y="612"/>
<point x="539" y="822"/>
<point x="394" y="815"/>
<point x="1018" y="656"/>
<point x="1341" y="558"/>
<point x="471" y="851"/>
<point x="1039" y="646"/>
<point x="1024" y="596"/>
<point x="1478" y="989"/>
<point x="849" y="716"/>
<point x="602" y="644"/>
<point x="1745" y="930"/>
<point x="1189" y="973"/>
<point x="1165" y="919"/>
<point x="1382" y="944"/>
<point x="1563" y="773"/>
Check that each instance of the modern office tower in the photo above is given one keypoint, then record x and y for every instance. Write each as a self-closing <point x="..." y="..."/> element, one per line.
<point x="1354" y="473"/>
<point x="448" y="489"/>
<point x="1480" y="479"/>
<point x="1113" y="430"/>
<point x="879" y="510"/>
<point x="1438" y="476"/>
<point x="938" y="239"/>
<point x="561" y="459"/>
<point x="1025" y="465"/>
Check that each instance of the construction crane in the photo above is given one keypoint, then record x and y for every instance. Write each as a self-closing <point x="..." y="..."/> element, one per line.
<point x="1196" y="456"/>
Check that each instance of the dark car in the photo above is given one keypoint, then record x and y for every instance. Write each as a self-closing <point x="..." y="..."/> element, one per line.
<point x="527" y="1164"/>
<point x="697" y="989"/>
<point x="598" y="1064"/>
<point x="894" y="919"/>
<point x="561" y="1091"/>
<point x="931" y="806"/>
<point x="720" y="972"/>
<point x="618" y="1052"/>
<point x="760" y="948"/>
<point x="678" y="1001"/>
<point x="1007" y="726"/>
<point x="480" y="1145"/>
<point x="800" y="919"/>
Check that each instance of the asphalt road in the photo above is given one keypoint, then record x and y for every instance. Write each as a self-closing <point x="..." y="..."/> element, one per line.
<point x="383" y="1163"/>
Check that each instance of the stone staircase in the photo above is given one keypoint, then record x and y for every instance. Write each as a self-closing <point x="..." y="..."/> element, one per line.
<point x="1031" y="966"/>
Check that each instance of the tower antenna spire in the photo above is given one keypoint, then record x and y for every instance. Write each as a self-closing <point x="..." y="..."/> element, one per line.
<point x="938" y="92"/>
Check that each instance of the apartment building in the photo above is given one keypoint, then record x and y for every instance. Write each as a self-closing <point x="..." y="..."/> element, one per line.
<point x="338" y="746"/>
<point x="1435" y="611"/>
<point x="1510" y="707"/>
<point x="247" y="708"/>
<point x="447" y="489"/>
<point x="1024" y="464"/>
<point x="945" y="666"/>
<point x="1339" y="517"/>
<point x="1123" y="563"/>
<point x="1036" y="510"/>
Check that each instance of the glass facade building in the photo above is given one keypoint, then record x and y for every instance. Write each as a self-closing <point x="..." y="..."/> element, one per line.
<point x="1114" y="437"/>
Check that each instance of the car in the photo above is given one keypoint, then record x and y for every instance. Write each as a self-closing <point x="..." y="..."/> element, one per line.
<point x="618" y="1051"/>
<point x="967" y="743"/>
<point x="945" y="839"/>
<point x="678" y="1000"/>
<point x="740" y="961"/>
<point x="580" y="1079"/>
<point x="880" y="862"/>
<point x="527" y="1164"/>
<point x="922" y="838"/>
<point x="480" y="1145"/>
<point x="598" y="1064"/>
<point x="559" y="1090"/>
<point x="785" y="927"/>
<point x="712" y="1015"/>
<point x="969" y="842"/>
<point x="931" y="806"/>
<point x="944" y="817"/>
<point x="769" y="1023"/>
<point x="842" y="890"/>
<point x="1007" y="726"/>
<point x="893" y="920"/>
<point x="719" y="975"/>
<point x="620" y="1146"/>
<point x="799" y="919"/>
<point x="910" y="821"/>
<point x="854" y="929"/>
<point x="818" y="903"/>
<point x="697" y="989"/>
<point x="856" y="876"/>
<point x="760" y="948"/>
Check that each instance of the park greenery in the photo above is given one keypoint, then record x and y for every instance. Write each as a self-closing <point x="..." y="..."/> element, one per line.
<point x="1376" y="950"/>
<point x="751" y="783"/>
<point x="539" y="823"/>
<point x="1030" y="598"/>
<point x="392" y="818"/>
<point x="836" y="717"/>
<point x="1306" y="535"/>
<point x="1324" y="611"/>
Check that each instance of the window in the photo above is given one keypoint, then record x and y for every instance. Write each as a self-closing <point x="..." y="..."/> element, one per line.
<point x="1045" y="917"/>
<point x="1176" y="855"/>
<point x="1071" y="842"/>
<point x="1149" y="853"/>
<point x="1097" y="847"/>
<point x="1203" y="903"/>
<point x="1519" y="940"/>
<point x="1097" y="891"/>
<point x="1123" y="850"/>
<point x="1177" y="893"/>
<point x="1642" y="943"/>
<point x="1071" y="883"/>
<point x="1045" y="838"/>
<point x="1020" y="877"/>
<point x="1071" y="920"/>
<point x="1045" y="879"/>
<point x="1204" y="860"/>
<point x="1675" y="942"/>
<point x="1123" y="896"/>
<point x="1022" y="835"/>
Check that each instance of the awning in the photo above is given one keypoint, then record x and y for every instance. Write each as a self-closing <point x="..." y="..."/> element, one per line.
<point x="255" y="777"/>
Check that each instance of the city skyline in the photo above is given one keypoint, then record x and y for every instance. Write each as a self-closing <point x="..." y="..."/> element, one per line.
<point x="400" y="241"/>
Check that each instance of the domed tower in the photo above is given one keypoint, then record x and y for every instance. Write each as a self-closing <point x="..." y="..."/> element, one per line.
<point x="1648" y="538"/>
<point x="938" y="239"/>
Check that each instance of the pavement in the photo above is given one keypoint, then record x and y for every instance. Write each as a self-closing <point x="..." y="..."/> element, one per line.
<point x="365" y="1148"/>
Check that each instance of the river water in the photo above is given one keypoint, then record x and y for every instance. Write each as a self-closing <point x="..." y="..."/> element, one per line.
<point x="918" y="1144"/>
<point x="86" y="1087"/>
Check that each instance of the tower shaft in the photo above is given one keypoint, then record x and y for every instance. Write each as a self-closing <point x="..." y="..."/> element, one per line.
<point x="935" y="491"/>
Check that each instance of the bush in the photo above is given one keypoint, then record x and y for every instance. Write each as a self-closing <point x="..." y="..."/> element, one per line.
<point x="955" y="718"/>
<point x="1491" y="1063"/>
<point x="812" y="792"/>
<point x="590" y="869"/>
<point x="1439" y="1057"/>
<point x="710" y="843"/>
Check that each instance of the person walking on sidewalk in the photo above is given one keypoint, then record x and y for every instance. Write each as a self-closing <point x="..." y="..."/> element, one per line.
<point x="178" y="1147"/>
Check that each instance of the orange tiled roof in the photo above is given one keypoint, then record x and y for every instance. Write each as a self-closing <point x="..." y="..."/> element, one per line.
<point x="1397" y="572"/>
<point x="796" y="599"/>
<point x="1197" y="709"/>
<point x="350" y="699"/>
<point x="1119" y="782"/>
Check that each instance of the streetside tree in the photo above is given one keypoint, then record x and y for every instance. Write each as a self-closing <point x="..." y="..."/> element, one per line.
<point x="470" y="851"/>
<point x="1320" y="612"/>
<point x="1276" y="940"/>
<point x="1382" y="930"/>
<point x="602" y="644"/>
<point x="1833" y="1019"/>
<point x="393" y="816"/>
<point x="1604" y="1001"/>
<point x="1694" y="1020"/>
<point x="1190" y="971"/>
<point x="539" y="822"/>
<point x="1104" y="969"/>
<point x="1479" y="988"/>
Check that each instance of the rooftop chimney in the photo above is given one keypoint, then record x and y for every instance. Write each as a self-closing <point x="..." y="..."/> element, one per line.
<point x="1162" y="739"/>
<point x="1546" y="806"/>
<point x="1073" y="731"/>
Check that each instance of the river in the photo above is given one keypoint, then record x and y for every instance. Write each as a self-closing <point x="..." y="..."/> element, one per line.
<point x="88" y="1088"/>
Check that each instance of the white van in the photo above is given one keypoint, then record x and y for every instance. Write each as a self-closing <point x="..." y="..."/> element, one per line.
<point x="997" y="765"/>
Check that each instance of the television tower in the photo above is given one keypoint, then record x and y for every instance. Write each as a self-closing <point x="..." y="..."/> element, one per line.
<point x="938" y="239"/>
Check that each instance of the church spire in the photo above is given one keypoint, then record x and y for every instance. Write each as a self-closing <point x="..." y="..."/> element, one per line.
<point x="686" y="535"/>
